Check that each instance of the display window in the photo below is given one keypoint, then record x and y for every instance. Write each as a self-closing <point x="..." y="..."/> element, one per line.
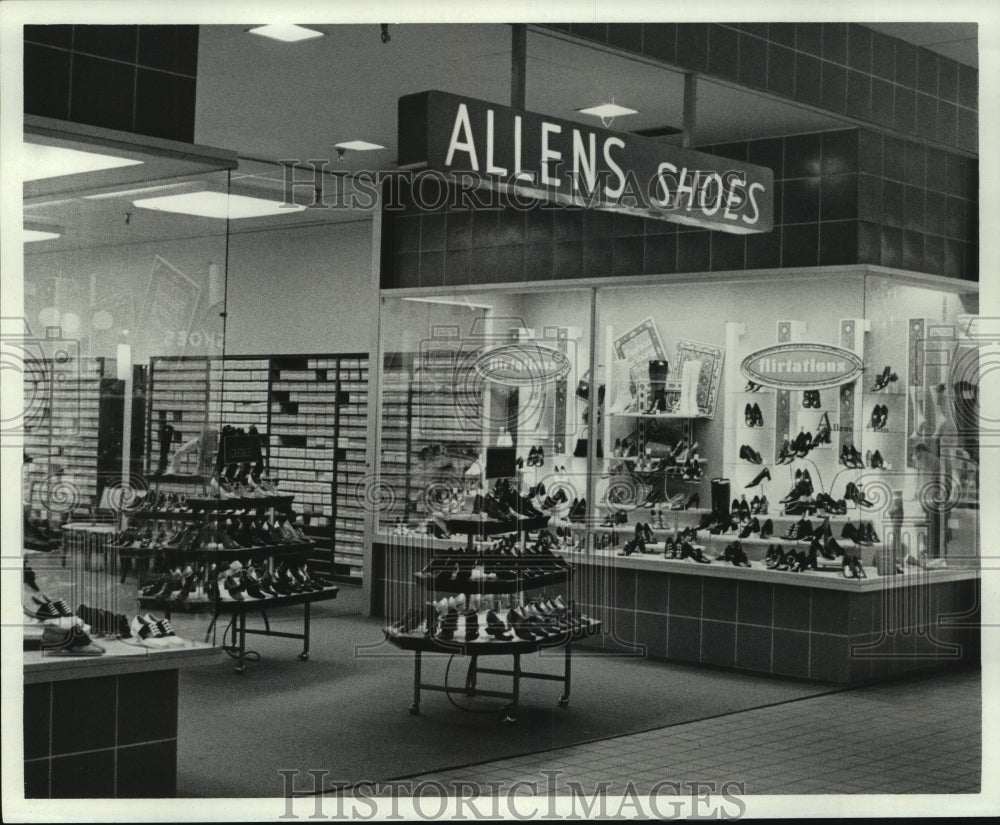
<point x="851" y="455"/>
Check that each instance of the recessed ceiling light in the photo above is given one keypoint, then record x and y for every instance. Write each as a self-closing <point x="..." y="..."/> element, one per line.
<point x="286" y="33"/>
<point x="358" y="145"/>
<point x="608" y="110"/>
<point x="55" y="161"/>
<point x="31" y="235"/>
<point x="218" y="205"/>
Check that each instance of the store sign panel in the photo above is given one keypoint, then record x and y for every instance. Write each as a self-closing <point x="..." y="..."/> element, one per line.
<point x="521" y="365"/>
<point x="800" y="366"/>
<point x="481" y="144"/>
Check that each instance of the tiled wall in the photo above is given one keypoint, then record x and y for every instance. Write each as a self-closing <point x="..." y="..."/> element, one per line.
<point x="781" y="629"/>
<point x="854" y="196"/>
<point x="846" y="68"/>
<point x="105" y="737"/>
<point x="785" y="629"/>
<point x="132" y="78"/>
<point x="841" y="197"/>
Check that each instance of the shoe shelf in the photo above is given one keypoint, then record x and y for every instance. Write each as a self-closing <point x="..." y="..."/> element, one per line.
<point x="311" y="411"/>
<point x="242" y="503"/>
<point x="237" y="649"/>
<point x="530" y="570"/>
<point x="667" y="416"/>
<point x="237" y="553"/>
<point x="520" y="581"/>
<point x="61" y="432"/>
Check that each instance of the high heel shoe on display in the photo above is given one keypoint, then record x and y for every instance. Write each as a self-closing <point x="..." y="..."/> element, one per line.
<point x="761" y="476"/>
<point x="886" y="377"/>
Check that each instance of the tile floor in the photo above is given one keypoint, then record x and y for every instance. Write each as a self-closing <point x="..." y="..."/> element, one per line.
<point x="919" y="735"/>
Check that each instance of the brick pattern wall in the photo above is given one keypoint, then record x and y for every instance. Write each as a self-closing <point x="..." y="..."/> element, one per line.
<point x="138" y="79"/>
<point x="841" y="197"/>
<point x="845" y="68"/>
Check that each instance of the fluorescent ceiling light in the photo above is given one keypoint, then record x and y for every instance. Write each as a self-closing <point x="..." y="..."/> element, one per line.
<point x="124" y="193"/>
<point x="55" y="161"/>
<point x="218" y="205"/>
<point x="286" y="33"/>
<point x="358" y="145"/>
<point x="31" y="235"/>
<point x="608" y="110"/>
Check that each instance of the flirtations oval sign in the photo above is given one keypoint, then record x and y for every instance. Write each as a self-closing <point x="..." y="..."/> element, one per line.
<point x="799" y="366"/>
<point x="521" y="364"/>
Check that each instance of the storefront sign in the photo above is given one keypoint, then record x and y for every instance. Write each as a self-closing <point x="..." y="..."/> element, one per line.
<point x="521" y="365"/>
<point x="800" y="366"/>
<point x="481" y="144"/>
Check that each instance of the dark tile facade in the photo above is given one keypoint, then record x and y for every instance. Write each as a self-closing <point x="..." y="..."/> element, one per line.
<point x="775" y="628"/>
<point x="842" y="197"/>
<point x="97" y="738"/>
<point x="132" y="78"/>
<point x="846" y="68"/>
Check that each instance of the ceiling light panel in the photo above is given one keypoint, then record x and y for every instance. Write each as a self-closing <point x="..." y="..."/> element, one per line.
<point x="358" y="145"/>
<point x="55" y="161"/>
<point x="218" y="205"/>
<point x="286" y="33"/>
<point x="608" y="110"/>
<point x="32" y="235"/>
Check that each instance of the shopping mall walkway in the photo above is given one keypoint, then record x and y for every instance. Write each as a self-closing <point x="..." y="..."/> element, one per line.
<point x="918" y="735"/>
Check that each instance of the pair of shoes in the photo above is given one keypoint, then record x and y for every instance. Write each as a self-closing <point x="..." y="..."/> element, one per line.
<point x="740" y="509"/>
<point x="864" y="534"/>
<point x="880" y="417"/>
<point x="811" y="399"/>
<point x="536" y="457"/>
<point x="852" y="568"/>
<point x="68" y="641"/>
<point x="850" y="457"/>
<point x="853" y="493"/>
<point x="758" y="506"/>
<point x="148" y="631"/>
<point x="753" y="416"/>
<point x="802" y="488"/>
<point x="751" y="455"/>
<point x="886" y="377"/>
<point x="827" y="504"/>
<point x="874" y="460"/>
<point x="735" y="554"/>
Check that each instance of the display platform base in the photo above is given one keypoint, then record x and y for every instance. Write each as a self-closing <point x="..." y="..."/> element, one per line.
<point x="124" y="745"/>
<point x="474" y="649"/>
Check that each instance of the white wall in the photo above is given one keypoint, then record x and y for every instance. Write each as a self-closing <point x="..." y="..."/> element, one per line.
<point x="302" y="291"/>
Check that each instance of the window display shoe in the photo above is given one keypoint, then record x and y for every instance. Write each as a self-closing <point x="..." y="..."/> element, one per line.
<point x="758" y="416"/>
<point x="886" y="377"/>
<point x="748" y="416"/>
<point x="149" y="634"/>
<point x="753" y="526"/>
<point x="767" y="529"/>
<point x="72" y="641"/>
<point x="761" y="476"/>
<point x="786" y="455"/>
<point x="689" y="551"/>
<point x="497" y="628"/>
<point x="751" y="455"/>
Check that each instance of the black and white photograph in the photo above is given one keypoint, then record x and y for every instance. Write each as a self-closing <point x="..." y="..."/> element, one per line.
<point x="439" y="410"/>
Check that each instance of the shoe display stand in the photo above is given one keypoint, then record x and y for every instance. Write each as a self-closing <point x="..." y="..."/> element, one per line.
<point x="557" y="571"/>
<point x="208" y="511"/>
<point x="311" y="411"/>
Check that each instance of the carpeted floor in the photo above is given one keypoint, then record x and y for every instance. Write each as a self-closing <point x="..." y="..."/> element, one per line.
<point x="345" y="711"/>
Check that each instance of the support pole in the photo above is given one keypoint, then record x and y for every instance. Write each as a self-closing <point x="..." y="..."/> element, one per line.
<point x="518" y="64"/>
<point x="690" y="109"/>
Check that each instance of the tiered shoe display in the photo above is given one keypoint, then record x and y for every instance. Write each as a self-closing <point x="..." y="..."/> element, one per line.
<point x="243" y="548"/>
<point x="484" y="609"/>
